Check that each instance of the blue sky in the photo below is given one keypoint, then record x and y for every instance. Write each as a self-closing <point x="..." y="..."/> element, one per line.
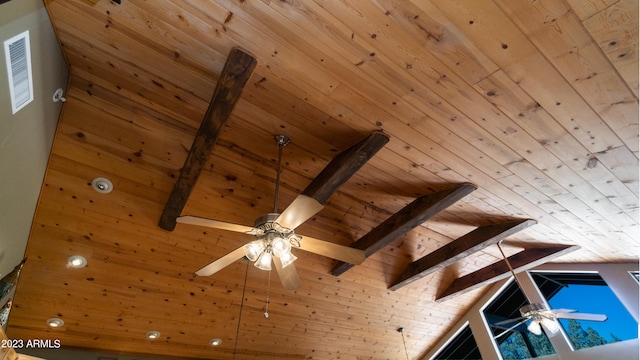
<point x="598" y="300"/>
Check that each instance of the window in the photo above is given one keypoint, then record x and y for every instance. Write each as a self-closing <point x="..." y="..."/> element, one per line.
<point x="587" y="293"/>
<point x="462" y="346"/>
<point x="552" y="290"/>
<point x="513" y="338"/>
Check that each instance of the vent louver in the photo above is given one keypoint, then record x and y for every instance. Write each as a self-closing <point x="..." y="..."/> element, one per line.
<point x="18" y="55"/>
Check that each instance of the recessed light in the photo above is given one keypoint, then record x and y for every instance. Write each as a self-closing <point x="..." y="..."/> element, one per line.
<point x="102" y="185"/>
<point x="55" y="322"/>
<point x="76" y="262"/>
<point x="215" y="341"/>
<point x="152" y="335"/>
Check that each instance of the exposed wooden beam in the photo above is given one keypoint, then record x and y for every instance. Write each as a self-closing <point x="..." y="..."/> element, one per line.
<point x="336" y="173"/>
<point x="460" y="248"/>
<point x="235" y="74"/>
<point x="343" y="166"/>
<point x="412" y="215"/>
<point x="524" y="260"/>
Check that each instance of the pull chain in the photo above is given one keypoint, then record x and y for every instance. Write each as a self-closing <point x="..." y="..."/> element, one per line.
<point x="244" y="287"/>
<point x="266" y="305"/>
<point x="401" y="331"/>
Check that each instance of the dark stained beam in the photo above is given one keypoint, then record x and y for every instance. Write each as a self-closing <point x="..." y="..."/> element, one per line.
<point x="458" y="249"/>
<point x="343" y="166"/>
<point x="400" y="223"/>
<point x="336" y="173"/>
<point x="235" y="74"/>
<point x="524" y="260"/>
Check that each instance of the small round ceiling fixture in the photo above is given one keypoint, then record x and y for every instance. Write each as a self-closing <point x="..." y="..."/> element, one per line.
<point x="76" y="262"/>
<point x="152" y="335"/>
<point x="55" y="322"/>
<point x="215" y="342"/>
<point x="102" y="185"/>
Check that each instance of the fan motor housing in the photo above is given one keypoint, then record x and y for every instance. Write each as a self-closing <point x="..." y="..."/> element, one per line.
<point x="532" y="308"/>
<point x="265" y="219"/>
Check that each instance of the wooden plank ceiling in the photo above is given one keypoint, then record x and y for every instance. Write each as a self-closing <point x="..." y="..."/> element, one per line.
<point x="530" y="106"/>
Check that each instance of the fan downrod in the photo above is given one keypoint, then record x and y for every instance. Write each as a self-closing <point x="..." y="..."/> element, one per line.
<point x="282" y="141"/>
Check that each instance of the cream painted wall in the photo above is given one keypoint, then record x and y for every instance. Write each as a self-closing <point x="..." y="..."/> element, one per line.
<point x="26" y="137"/>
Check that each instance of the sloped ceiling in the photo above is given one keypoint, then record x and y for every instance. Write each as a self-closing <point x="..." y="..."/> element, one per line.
<point x="535" y="103"/>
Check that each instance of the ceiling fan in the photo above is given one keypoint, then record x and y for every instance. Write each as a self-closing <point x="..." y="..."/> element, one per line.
<point x="275" y="232"/>
<point x="541" y="315"/>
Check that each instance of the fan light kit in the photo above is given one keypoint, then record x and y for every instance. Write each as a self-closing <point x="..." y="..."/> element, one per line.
<point x="273" y="240"/>
<point x="76" y="262"/>
<point x="540" y="315"/>
<point x="152" y="335"/>
<point x="102" y="185"/>
<point x="274" y="232"/>
<point x="55" y="322"/>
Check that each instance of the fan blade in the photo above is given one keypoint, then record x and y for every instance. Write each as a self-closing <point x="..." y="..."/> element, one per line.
<point x="335" y="251"/>
<point x="512" y="327"/>
<point x="299" y="211"/>
<point x="288" y="275"/>
<point x="199" y="221"/>
<point x="504" y="322"/>
<point x="580" y="316"/>
<point x="564" y="310"/>
<point x="221" y="263"/>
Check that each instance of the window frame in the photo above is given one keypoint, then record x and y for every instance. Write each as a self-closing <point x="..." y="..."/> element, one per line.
<point x="496" y="294"/>
<point x="450" y="339"/>
<point x="487" y="328"/>
<point x="567" y="340"/>
<point x="616" y="275"/>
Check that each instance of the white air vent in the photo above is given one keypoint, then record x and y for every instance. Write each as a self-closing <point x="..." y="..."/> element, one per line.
<point x="18" y="54"/>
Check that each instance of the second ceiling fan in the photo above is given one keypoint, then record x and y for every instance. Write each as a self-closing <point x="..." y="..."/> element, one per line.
<point x="275" y="233"/>
<point x="540" y="314"/>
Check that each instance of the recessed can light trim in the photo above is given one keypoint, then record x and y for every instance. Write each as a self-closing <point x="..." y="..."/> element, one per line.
<point x="215" y="342"/>
<point x="152" y="335"/>
<point x="76" y="262"/>
<point x="102" y="185"/>
<point x="55" y="322"/>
